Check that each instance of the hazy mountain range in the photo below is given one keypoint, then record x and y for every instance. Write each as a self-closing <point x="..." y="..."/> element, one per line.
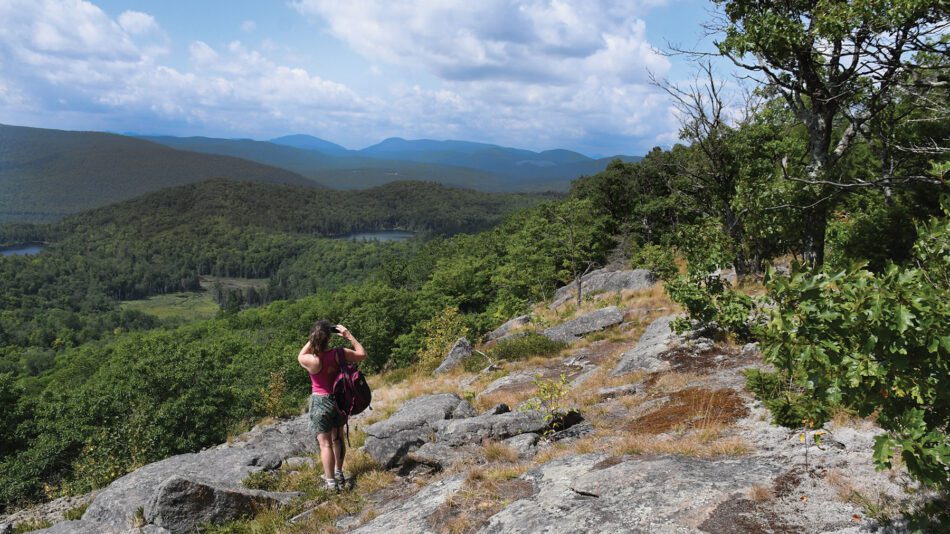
<point x="460" y="163"/>
<point x="45" y="174"/>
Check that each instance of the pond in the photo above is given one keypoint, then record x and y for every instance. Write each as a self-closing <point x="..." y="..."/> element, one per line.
<point x="25" y="249"/>
<point x="381" y="236"/>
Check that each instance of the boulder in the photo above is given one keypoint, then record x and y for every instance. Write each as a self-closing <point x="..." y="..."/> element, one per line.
<point x="410" y="515"/>
<point x="574" y="432"/>
<point x="496" y="427"/>
<point x="526" y="444"/>
<point x="463" y="410"/>
<point x="180" y="504"/>
<point x="603" y="280"/>
<point x="460" y="350"/>
<point x="116" y="506"/>
<point x="656" y="339"/>
<point x="512" y="381"/>
<point x="388" y="441"/>
<point x="438" y="455"/>
<point x="590" y="322"/>
<point x="497" y="409"/>
<point x="506" y="328"/>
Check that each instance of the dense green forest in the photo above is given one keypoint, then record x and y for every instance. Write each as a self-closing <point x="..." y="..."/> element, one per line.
<point x="164" y="241"/>
<point x="830" y="170"/>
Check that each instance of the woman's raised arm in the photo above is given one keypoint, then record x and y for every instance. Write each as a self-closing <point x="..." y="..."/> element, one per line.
<point x="357" y="353"/>
<point x="308" y="360"/>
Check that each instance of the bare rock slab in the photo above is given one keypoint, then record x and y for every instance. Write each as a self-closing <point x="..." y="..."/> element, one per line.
<point x="460" y="350"/>
<point x="645" y="356"/>
<point x="605" y="281"/>
<point x="590" y="493"/>
<point x="594" y="321"/>
<point x="180" y="505"/>
<point x="411" y="515"/>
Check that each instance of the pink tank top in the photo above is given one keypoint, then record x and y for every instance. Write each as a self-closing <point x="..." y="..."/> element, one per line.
<point x="322" y="382"/>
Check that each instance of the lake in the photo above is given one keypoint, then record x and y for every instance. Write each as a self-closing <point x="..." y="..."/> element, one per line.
<point x="27" y="249"/>
<point x="382" y="236"/>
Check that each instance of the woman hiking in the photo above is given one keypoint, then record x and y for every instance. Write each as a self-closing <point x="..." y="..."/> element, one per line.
<point x="325" y="419"/>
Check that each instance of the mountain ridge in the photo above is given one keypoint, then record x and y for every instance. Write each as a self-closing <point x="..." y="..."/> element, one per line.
<point x="46" y="174"/>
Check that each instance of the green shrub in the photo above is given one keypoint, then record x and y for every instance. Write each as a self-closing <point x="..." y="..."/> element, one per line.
<point x="789" y="404"/>
<point x="525" y="347"/>
<point x="711" y="302"/>
<point x="874" y="342"/>
<point x="656" y="258"/>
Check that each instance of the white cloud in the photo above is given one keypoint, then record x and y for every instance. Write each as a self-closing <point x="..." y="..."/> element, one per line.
<point x="529" y="73"/>
<point x="138" y="23"/>
<point x="248" y="26"/>
<point x="202" y="54"/>
<point x="544" y="41"/>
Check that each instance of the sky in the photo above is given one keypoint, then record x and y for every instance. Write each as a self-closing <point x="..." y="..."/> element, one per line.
<point x="535" y="74"/>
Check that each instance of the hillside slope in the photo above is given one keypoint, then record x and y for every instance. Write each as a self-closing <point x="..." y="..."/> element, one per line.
<point x="641" y="430"/>
<point x="339" y="170"/>
<point x="45" y="174"/>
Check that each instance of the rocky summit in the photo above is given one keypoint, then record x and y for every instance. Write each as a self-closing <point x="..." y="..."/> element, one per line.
<point x="644" y="430"/>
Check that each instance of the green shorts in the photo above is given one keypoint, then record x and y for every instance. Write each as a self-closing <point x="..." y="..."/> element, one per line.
<point x="324" y="415"/>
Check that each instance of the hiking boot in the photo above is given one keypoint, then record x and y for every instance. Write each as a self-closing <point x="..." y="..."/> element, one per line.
<point x="333" y="485"/>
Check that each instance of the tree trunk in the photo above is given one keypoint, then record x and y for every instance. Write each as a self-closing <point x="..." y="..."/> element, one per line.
<point x="579" y="282"/>
<point x="816" y="225"/>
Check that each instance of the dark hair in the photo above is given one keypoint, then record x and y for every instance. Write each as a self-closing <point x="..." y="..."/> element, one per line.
<point x="320" y="334"/>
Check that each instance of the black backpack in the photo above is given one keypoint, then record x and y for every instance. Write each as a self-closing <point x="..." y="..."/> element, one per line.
<point x="350" y="390"/>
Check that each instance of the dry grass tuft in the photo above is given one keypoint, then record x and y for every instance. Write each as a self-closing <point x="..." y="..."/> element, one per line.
<point x="692" y="444"/>
<point x="358" y="462"/>
<point x="674" y="381"/>
<point x="761" y="493"/>
<point x="693" y="408"/>
<point x="483" y="494"/>
<point x="495" y="451"/>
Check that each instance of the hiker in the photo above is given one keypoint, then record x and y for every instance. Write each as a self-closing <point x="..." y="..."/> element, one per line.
<point x="326" y="420"/>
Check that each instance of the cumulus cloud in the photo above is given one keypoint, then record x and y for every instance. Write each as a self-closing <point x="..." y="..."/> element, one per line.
<point x="528" y="73"/>
<point x="138" y="23"/>
<point x="69" y="61"/>
<point x="549" y="41"/>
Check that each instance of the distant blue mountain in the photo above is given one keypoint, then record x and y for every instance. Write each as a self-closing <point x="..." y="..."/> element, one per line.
<point x="480" y="166"/>
<point x="309" y="142"/>
<point x="514" y="163"/>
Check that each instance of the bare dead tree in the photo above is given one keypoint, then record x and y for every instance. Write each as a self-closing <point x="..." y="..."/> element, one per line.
<point x="705" y="124"/>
